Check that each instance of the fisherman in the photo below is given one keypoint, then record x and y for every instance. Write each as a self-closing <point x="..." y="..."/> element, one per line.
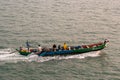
<point x="20" y="48"/>
<point x="23" y="49"/>
<point x="59" y="47"/>
<point x="54" y="47"/>
<point x="28" y="46"/>
<point x="69" y="48"/>
<point x="39" y="48"/>
<point x="65" y="46"/>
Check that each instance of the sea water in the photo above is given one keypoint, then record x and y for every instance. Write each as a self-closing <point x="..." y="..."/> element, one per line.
<point x="48" y="22"/>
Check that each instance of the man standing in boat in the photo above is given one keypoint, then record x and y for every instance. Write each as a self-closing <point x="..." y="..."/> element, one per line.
<point x="28" y="46"/>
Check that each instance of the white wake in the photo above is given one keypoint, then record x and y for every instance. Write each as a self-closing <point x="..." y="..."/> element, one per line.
<point x="6" y="55"/>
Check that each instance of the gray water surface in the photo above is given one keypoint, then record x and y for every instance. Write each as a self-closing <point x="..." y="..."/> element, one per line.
<point x="47" y="22"/>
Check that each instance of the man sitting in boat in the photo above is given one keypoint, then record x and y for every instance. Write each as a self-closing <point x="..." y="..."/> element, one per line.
<point x="20" y="48"/>
<point x="65" y="46"/>
<point x="59" y="47"/>
<point x="23" y="49"/>
<point x="54" y="47"/>
<point x="39" y="48"/>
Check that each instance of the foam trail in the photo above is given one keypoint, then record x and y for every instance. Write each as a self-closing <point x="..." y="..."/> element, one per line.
<point x="5" y="51"/>
<point x="77" y="56"/>
<point x="15" y="57"/>
<point x="7" y="57"/>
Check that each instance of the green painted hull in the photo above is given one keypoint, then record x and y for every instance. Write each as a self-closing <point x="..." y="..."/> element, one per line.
<point x="83" y="49"/>
<point x="89" y="49"/>
<point x="24" y="53"/>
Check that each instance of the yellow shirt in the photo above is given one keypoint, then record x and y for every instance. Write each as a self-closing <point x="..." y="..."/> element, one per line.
<point x="65" y="47"/>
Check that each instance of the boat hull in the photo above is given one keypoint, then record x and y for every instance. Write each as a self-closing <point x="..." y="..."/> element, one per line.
<point x="23" y="52"/>
<point x="75" y="50"/>
<point x="71" y="52"/>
